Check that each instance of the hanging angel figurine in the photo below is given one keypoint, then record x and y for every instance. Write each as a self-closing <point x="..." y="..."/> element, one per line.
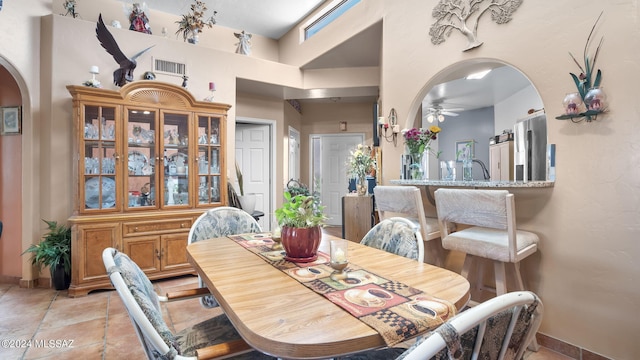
<point x="244" y="43"/>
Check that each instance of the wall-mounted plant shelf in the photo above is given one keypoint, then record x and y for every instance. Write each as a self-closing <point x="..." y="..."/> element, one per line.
<point x="588" y="115"/>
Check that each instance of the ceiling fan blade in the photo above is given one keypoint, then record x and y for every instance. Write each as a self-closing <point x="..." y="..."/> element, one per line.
<point x="448" y="113"/>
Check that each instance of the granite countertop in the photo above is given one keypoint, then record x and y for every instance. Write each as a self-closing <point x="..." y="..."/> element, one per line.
<point x="476" y="183"/>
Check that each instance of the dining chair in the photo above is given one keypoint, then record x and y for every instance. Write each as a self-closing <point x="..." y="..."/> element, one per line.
<point x="406" y="201"/>
<point x="218" y="222"/>
<point x="499" y="328"/>
<point x="396" y="235"/>
<point x="492" y="233"/>
<point x="210" y="339"/>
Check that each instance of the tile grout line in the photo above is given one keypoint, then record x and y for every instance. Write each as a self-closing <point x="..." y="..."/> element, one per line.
<point x="106" y="327"/>
<point x="35" y="332"/>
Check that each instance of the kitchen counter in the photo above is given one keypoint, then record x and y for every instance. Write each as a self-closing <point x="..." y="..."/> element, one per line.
<point x="428" y="186"/>
<point x="476" y="183"/>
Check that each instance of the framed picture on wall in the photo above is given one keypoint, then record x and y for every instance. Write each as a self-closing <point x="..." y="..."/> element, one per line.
<point x="464" y="150"/>
<point x="11" y="120"/>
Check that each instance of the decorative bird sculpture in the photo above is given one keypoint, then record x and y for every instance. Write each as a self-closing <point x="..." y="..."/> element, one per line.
<point x="123" y="74"/>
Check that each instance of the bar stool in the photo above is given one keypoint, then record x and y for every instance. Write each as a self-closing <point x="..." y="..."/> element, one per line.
<point x="406" y="201"/>
<point x="492" y="233"/>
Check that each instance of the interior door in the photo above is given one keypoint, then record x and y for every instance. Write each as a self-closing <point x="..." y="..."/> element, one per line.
<point x="334" y="153"/>
<point x="253" y="154"/>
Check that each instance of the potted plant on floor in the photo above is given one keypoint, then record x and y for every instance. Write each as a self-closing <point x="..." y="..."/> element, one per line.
<point x="54" y="251"/>
<point x="300" y="219"/>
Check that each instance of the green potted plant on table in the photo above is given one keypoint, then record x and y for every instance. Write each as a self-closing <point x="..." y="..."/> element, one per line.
<point x="300" y="219"/>
<point x="54" y="251"/>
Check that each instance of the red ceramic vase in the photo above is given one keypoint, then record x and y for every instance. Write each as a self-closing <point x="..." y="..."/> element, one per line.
<point x="301" y="244"/>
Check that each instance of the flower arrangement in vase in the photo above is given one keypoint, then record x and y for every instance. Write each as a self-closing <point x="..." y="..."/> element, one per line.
<point x="361" y="163"/>
<point x="300" y="219"/>
<point x="417" y="141"/>
<point x="193" y="23"/>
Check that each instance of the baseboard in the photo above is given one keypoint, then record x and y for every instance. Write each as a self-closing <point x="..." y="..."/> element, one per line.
<point x="572" y="351"/>
<point x="13" y="280"/>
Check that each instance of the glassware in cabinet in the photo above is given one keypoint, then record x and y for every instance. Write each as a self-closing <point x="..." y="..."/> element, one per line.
<point x="142" y="158"/>
<point x="175" y="142"/>
<point x="99" y="165"/>
<point x="209" y="157"/>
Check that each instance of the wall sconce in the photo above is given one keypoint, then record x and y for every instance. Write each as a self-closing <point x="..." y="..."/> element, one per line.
<point x="393" y="124"/>
<point x="590" y="100"/>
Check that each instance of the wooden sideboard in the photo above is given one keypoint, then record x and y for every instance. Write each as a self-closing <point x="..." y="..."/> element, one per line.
<point x="148" y="160"/>
<point x="358" y="216"/>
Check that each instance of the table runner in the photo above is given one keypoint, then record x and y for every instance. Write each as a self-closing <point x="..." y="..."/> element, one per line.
<point x="395" y="310"/>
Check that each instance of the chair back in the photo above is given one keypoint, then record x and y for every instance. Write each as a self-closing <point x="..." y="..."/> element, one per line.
<point x="405" y="201"/>
<point x="218" y="222"/>
<point x="222" y="221"/>
<point x="398" y="236"/>
<point x="141" y="303"/>
<point x="493" y="209"/>
<point x="485" y="208"/>
<point x="499" y="328"/>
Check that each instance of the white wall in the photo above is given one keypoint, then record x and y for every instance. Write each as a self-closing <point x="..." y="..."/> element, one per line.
<point x="510" y="110"/>
<point x="586" y="269"/>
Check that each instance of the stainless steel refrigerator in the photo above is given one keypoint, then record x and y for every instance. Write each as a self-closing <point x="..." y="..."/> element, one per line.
<point x="530" y="136"/>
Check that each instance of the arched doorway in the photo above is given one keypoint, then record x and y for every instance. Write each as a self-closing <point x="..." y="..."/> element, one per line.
<point x="11" y="184"/>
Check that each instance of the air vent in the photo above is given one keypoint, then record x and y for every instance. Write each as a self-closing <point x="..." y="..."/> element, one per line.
<point x="169" y="67"/>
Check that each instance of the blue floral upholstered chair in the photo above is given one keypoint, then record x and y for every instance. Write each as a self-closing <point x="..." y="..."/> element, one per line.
<point x="398" y="236"/>
<point x="499" y="328"/>
<point x="213" y="338"/>
<point x="218" y="222"/>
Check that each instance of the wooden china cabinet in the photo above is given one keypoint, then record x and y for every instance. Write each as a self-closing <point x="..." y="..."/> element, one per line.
<point x="150" y="160"/>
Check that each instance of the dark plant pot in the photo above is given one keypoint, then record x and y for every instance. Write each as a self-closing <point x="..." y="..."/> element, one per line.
<point x="301" y="244"/>
<point x="60" y="279"/>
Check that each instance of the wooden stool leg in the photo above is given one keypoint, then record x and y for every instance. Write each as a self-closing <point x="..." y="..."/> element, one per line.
<point x="468" y="261"/>
<point x="533" y="346"/>
<point x="501" y="280"/>
<point x="519" y="282"/>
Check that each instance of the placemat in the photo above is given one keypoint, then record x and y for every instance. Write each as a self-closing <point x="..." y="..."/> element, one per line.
<point x="395" y="310"/>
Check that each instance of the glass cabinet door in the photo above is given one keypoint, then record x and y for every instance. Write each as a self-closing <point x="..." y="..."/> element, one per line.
<point x="98" y="149"/>
<point x="142" y="159"/>
<point x="175" y="145"/>
<point x="208" y="160"/>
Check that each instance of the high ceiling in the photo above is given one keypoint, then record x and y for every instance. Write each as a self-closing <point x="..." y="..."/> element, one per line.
<point x="274" y="18"/>
<point x="270" y="18"/>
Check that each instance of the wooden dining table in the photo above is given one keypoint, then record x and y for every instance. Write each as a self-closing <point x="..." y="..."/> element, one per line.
<point x="278" y="315"/>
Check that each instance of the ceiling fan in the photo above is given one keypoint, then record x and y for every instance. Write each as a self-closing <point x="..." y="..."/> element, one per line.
<point x="437" y="112"/>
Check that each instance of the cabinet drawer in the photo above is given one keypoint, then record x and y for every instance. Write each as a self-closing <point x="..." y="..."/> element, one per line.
<point x="161" y="226"/>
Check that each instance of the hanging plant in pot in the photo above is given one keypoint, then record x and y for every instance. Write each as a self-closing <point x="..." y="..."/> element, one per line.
<point x="300" y="219"/>
<point x="54" y="251"/>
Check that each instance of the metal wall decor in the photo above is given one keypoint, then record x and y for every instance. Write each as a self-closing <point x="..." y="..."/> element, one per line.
<point x="464" y="16"/>
<point x="590" y="100"/>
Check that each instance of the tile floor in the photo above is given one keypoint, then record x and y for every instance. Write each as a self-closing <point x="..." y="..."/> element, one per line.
<point x="96" y="326"/>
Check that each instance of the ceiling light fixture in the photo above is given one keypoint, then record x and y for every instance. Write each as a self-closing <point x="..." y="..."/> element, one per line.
<point x="435" y="115"/>
<point x="478" y="75"/>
